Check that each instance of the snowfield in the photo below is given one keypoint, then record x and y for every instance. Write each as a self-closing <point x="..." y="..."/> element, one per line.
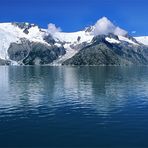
<point x="80" y="37"/>
<point x="142" y="39"/>
<point x="111" y="40"/>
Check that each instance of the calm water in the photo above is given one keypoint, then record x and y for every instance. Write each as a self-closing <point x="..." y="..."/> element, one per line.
<point x="74" y="107"/>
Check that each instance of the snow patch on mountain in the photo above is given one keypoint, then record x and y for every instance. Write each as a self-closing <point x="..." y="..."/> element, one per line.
<point x="122" y="38"/>
<point x="70" y="52"/>
<point x="73" y="37"/>
<point x="35" y="34"/>
<point x="111" y="40"/>
<point x="142" y="39"/>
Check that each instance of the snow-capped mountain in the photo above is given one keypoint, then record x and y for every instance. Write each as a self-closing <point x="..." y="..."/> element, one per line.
<point x="12" y="33"/>
<point x="25" y="43"/>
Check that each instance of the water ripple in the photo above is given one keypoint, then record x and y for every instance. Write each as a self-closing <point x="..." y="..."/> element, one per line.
<point x="74" y="103"/>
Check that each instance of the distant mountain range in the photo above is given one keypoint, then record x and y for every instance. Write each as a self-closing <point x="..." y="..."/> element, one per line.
<point x="101" y="44"/>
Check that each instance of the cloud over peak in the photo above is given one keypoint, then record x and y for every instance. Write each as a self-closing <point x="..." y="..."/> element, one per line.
<point x="105" y="26"/>
<point x="52" y="29"/>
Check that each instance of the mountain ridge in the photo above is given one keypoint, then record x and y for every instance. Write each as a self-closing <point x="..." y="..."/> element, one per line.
<point x="28" y="44"/>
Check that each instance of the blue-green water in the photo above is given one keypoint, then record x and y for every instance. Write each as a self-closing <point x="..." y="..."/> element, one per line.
<point x="74" y="107"/>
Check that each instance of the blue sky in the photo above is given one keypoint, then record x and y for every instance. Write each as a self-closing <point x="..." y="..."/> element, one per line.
<point x="74" y="15"/>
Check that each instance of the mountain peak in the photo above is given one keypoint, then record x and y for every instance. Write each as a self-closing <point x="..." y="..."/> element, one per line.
<point x="105" y="26"/>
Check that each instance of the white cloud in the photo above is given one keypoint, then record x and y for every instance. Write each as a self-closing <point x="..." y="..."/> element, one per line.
<point x="52" y="29"/>
<point x="105" y="26"/>
<point x="119" y="31"/>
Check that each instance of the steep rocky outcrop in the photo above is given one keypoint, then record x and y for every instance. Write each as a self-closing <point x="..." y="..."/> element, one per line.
<point x="101" y="52"/>
<point x="34" y="53"/>
<point x="4" y="62"/>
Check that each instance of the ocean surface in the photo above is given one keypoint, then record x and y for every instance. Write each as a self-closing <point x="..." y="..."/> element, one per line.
<point x="86" y="107"/>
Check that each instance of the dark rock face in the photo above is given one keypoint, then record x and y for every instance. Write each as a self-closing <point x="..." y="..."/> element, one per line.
<point x="34" y="53"/>
<point x="4" y="62"/>
<point x="101" y="52"/>
<point x="131" y="38"/>
<point x="94" y="55"/>
<point x="113" y="36"/>
<point x="49" y="39"/>
<point x="41" y="54"/>
<point x="18" y="51"/>
<point x="79" y="46"/>
<point x="89" y="29"/>
<point x="99" y="39"/>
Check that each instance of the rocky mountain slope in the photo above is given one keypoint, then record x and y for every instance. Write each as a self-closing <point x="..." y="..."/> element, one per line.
<point x="100" y="44"/>
<point x="103" y="51"/>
